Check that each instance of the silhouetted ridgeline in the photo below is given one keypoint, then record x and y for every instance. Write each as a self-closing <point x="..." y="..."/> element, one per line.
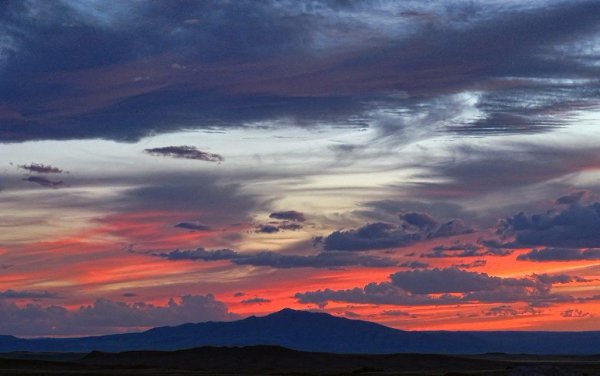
<point x="309" y="331"/>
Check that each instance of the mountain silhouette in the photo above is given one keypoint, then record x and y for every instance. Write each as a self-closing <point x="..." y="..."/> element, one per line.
<point x="319" y="332"/>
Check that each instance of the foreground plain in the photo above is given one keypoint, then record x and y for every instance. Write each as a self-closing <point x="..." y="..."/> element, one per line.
<point x="275" y="360"/>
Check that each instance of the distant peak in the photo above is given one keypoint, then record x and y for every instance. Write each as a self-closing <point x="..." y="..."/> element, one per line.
<point x="287" y="312"/>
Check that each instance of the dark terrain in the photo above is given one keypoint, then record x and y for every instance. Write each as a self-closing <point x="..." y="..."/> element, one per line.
<point x="318" y="332"/>
<point x="274" y="360"/>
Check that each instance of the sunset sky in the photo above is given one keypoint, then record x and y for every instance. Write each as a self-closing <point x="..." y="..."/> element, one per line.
<point x="424" y="165"/>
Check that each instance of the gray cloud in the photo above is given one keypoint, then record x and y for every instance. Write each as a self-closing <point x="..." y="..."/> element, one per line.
<point x="415" y="227"/>
<point x="397" y="313"/>
<point x="185" y="152"/>
<point x="440" y="286"/>
<point x="474" y="264"/>
<point x="267" y="229"/>
<point x="572" y="198"/>
<point x="414" y="265"/>
<point x="192" y="226"/>
<point x="256" y="300"/>
<point x="13" y="294"/>
<point x="465" y="250"/>
<point x="290" y="215"/>
<point x="508" y="311"/>
<point x="108" y="316"/>
<point x="572" y="226"/>
<point x="289" y="226"/>
<point x="41" y="168"/>
<point x="560" y="254"/>
<point x="44" y="182"/>
<point x="278" y="260"/>
<point x="575" y="313"/>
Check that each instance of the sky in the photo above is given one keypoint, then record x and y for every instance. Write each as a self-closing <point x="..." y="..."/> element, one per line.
<point x="424" y="165"/>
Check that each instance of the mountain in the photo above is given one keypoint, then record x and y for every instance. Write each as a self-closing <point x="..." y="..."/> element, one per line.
<point x="320" y="332"/>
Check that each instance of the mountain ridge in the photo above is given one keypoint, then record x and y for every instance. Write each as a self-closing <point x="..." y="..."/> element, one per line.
<point x="317" y="331"/>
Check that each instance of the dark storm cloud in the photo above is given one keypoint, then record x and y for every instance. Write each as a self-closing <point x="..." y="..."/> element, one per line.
<point x="280" y="261"/>
<point x="41" y="168"/>
<point x="440" y="286"/>
<point x="192" y="226"/>
<point x="560" y="254"/>
<point x="185" y="152"/>
<point x="290" y="215"/>
<point x="44" y="182"/>
<point x="415" y="227"/>
<point x="221" y="64"/>
<point x="565" y="227"/>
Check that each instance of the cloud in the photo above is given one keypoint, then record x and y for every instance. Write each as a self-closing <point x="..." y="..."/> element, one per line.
<point x="290" y="215"/>
<point x="508" y="311"/>
<point x="231" y="64"/>
<point x="41" y="168"/>
<point x="256" y="300"/>
<point x="44" y="182"/>
<point x="573" y="226"/>
<point x="202" y="195"/>
<point x="560" y="254"/>
<point x="474" y="264"/>
<point x="440" y="287"/>
<point x="558" y="278"/>
<point x="267" y="229"/>
<point x="192" y="226"/>
<point x="13" y="294"/>
<point x="274" y="227"/>
<point x="185" y="152"/>
<point x="286" y="226"/>
<point x="572" y="198"/>
<point x="414" y="265"/>
<point x="397" y="313"/>
<point x="420" y="220"/>
<point x="379" y="235"/>
<point x="278" y="260"/>
<point x="575" y="313"/>
<point x="465" y="250"/>
<point x="105" y="315"/>
<point x="439" y="281"/>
